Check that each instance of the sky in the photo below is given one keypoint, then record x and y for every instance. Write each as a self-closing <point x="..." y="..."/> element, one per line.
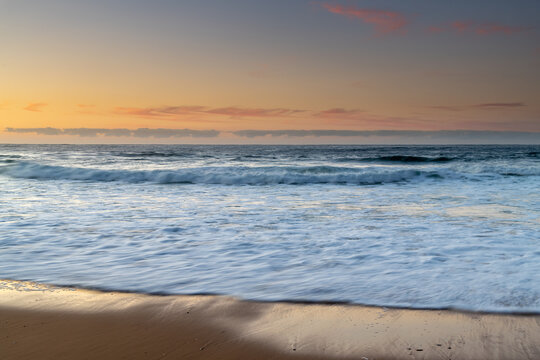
<point x="280" y="71"/>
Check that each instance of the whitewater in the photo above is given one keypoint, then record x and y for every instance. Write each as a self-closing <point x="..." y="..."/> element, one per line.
<point x="407" y="226"/>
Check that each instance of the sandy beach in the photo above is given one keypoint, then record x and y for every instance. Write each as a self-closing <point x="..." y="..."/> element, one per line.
<point x="45" y="322"/>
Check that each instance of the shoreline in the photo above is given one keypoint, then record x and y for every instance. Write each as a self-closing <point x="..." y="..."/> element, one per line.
<point x="46" y="322"/>
<point x="263" y="301"/>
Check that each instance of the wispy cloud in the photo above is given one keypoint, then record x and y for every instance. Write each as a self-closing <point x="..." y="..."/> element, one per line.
<point x="231" y="111"/>
<point x="36" y="107"/>
<point x="447" y="108"/>
<point x="163" y="111"/>
<point x="356" y="118"/>
<point x="140" y="133"/>
<point x="470" y="27"/>
<point x="487" y="29"/>
<point x="383" y="21"/>
<point x="499" y="105"/>
<point x="88" y="109"/>
<point x="253" y="112"/>
<point x="336" y="113"/>
<point x="461" y="26"/>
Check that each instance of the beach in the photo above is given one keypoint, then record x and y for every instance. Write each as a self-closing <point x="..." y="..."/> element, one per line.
<point x="39" y="321"/>
<point x="269" y="252"/>
<point x="301" y="179"/>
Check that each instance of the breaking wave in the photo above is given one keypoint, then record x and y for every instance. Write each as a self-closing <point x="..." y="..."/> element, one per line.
<point x="401" y="159"/>
<point x="266" y="175"/>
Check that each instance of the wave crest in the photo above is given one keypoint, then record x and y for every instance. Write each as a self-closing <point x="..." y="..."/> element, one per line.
<point x="267" y="175"/>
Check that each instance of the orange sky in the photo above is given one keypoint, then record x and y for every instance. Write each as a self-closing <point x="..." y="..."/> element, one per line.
<point x="280" y="66"/>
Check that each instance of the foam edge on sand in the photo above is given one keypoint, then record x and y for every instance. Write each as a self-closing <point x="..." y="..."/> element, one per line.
<point x="46" y="322"/>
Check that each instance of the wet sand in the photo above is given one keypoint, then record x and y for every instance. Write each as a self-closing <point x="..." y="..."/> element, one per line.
<point x="45" y="322"/>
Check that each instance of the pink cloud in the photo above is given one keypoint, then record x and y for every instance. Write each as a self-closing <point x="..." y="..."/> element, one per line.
<point x="339" y="113"/>
<point x="499" y="105"/>
<point x="487" y="29"/>
<point x="253" y="112"/>
<point x="484" y="106"/>
<point x="384" y="22"/>
<point x="180" y="110"/>
<point x="36" y="107"/>
<point x="232" y="111"/>
<point x="461" y="26"/>
<point x="478" y="29"/>
<point x="447" y="108"/>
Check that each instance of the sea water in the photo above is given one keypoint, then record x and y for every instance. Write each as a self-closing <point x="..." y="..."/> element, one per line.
<point x="413" y="226"/>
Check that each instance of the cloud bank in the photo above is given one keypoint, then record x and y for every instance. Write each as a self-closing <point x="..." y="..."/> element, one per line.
<point x="380" y="133"/>
<point x="139" y="133"/>
<point x="373" y="136"/>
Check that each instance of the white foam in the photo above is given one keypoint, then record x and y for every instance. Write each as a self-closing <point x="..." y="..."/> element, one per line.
<point x="231" y="175"/>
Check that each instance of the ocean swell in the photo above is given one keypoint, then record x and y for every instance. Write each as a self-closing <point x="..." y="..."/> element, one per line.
<point x="400" y="159"/>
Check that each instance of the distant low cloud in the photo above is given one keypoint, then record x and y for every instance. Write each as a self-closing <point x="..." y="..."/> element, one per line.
<point x="39" y="131"/>
<point x="90" y="132"/>
<point x="174" y="133"/>
<point x="341" y="133"/>
<point x="460" y="136"/>
<point x="299" y="133"/>
<point x="140" y="133"/>
<point x="374" y="136"/>
<point x="36" y="107"/>
<point x="383" y="21"/>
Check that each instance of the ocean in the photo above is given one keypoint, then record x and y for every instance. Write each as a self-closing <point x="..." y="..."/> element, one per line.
<point x="406" y="226"/>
